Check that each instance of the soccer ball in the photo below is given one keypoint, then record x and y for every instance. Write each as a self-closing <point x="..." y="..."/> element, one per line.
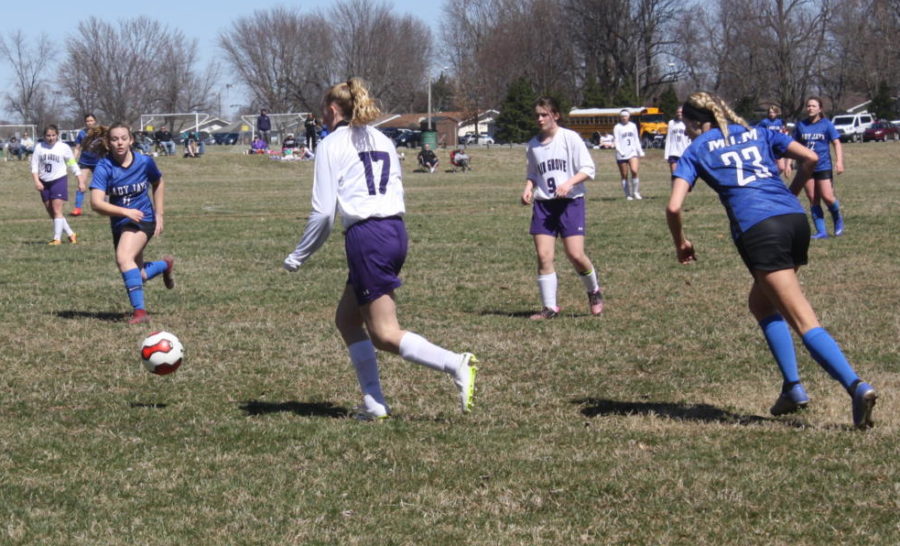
<point x="162" y="353"/>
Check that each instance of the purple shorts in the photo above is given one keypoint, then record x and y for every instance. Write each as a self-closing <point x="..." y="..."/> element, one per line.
<point x="558" y="217"/>
<point x="55" y="189"/>
<point x="673" y="158"/>
<point x="376" y="250"/>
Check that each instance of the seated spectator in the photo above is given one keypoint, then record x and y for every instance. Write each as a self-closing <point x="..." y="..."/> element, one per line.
<point x="459" y="159"/>
<point x="304" y="153"/>
<point x="190" y="145"/>
<point x="289" y="145"/>
<point x="607" y="142"/>
<point x="258" y="146"/>
<point x="142" y="142"/>
<point x="165" y="142"/>
<point x="14" y="147"/>
<point x="27" y="146"/>
<point x="428" y="159"/>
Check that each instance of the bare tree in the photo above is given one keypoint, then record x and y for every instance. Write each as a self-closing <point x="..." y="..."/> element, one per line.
<point x="29" y="96"/>
<point x="282" y="57"/>
<point x="123" y="71"/>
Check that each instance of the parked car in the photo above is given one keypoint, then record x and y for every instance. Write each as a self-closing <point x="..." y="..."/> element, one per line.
<point x="408" y="138"/>
<point x="483" y="138"/>
<point x="881" y="130"/>
<point x="226" y="138"/>
<point x="851" y="127"/>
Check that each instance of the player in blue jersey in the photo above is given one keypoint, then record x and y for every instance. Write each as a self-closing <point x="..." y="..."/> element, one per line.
<point x="87" y="157"/>
<point x="773" y="122"/>
<point x="357" y="174"/>
<point x="121" y="189"/>
<point x="818" y="134"/>
<point x="558" y="165"/>
<point x="771" y="233"/>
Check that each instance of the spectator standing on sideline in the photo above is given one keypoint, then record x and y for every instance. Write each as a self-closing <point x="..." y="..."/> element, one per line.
<point x="312" y="130"/>
<point x="263" y="125"/>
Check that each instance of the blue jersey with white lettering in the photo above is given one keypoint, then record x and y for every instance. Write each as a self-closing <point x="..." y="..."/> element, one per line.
<point x="772" y="124"/>
<point x="86" y="158"/>
<point x="128" y="187"/>
<point x="742" y="170"/>
<point x="817" y="137"/>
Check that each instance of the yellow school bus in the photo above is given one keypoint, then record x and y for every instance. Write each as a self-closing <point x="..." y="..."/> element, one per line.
<point x="590" y="122"/>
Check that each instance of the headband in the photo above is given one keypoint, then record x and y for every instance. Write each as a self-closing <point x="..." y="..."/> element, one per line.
<point x="690" y="111"/>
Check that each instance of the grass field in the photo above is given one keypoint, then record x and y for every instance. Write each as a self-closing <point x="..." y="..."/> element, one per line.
<point x="648" y="425"/>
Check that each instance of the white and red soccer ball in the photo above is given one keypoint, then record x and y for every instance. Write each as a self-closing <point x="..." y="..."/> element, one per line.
<point x="162" y="353"/>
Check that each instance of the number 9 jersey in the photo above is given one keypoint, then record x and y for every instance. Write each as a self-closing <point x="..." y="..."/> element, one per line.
<point x="552" y="164"/>
<point x="357" y="170"/>
<point x="743" y="171"/>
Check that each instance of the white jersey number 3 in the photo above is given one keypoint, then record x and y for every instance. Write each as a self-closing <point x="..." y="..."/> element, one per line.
<point x="750" y="155"/>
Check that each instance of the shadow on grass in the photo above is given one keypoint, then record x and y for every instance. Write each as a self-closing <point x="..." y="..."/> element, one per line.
<point x="151" y="405"/>
<point x="703" y="413"/>
<point x="96" y="315"/>
<point x="304" y="409"/>
<point x="527" y="314"/>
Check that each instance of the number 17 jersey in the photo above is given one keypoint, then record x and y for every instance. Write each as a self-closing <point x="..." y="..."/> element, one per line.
<point x="357" y="172"/>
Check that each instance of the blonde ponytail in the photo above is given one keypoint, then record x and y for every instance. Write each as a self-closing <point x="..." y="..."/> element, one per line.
<point x="716" y="107"/>
<point x="353" y="99"/>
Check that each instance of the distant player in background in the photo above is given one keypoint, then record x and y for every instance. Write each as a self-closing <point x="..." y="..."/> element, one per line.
<point x="770" y="230"/>
<point x="127" y="179"/>
<point x="677" y="140"/>
<point x="48" y="170"/>
<point x="87" y="160"/>
<point x="773" y="122"/>
<point x="628" y="152"/>
<point x="818" y="134"/>
<point x="357" y="173"/>
<point x="558" y="165"/>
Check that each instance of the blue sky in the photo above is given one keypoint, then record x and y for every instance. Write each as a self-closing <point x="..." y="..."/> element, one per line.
<point x="199" y="19"/>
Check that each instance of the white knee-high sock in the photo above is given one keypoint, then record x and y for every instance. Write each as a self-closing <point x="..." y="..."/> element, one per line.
<point x="625" y="187"/>
<point x="589" y="279"/>
<point x="547" y="287"/>
<point x="57" y="228"/>
<point x="362" y="355"/>
<point x="65" y="227"/>
<point x="416" y="348"/>
<point x="635" y="185"/>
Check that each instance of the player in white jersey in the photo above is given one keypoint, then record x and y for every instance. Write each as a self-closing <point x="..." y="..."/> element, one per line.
<point x="357" y="174"/>
<point x="558" y="165"/>
<point x="677" y="140"/>
<point x="628" y="150"/>
<point x="48" y="170"/>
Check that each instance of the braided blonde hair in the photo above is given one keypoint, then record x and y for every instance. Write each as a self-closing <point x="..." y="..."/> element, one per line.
<point x="353" y="99"/>
<point x="720" y="111"/>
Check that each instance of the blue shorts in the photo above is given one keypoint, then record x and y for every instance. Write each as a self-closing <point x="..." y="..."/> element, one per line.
<point x="558" y="217"/>
<point x="776" y="243"/>
<point x="376" y="249"/>
<point x="55" y="189"/>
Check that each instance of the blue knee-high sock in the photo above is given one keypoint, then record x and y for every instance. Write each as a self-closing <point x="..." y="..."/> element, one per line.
<point x="79" y="199"/>
<point x="135" y="287"/>
<point x="152" y="269"/>
<point x="818" y="216"/>
<point x="824" y="349"/>
<point x="778" y="335"/>
<point x="835" y="210"/>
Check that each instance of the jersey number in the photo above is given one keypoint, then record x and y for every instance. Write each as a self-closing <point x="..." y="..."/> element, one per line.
<point x="368" y="158"/>
<point x="750" y="155"/>
<point x="551" y="185"/>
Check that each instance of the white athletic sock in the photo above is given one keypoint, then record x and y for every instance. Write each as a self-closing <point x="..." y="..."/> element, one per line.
<point x="589" y="280"/>
<point x="636" y="186"/>
<point x="416" y="348"/>
<point x="625" y="187"/>
<point x="547" y="286"/>
<point x="66" y="228"/>
<point x="57" y="228"/>
<point x="362" y="355"/>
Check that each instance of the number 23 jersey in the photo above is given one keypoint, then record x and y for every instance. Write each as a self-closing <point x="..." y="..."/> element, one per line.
<point x="358" y="171"/>
<point x="742" y="170"/>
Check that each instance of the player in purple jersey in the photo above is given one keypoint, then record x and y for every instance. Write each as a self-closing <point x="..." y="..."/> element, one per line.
<point x="558" y="165"/>
<point x="357" y="174"/>
<point x="818" y="133"/>
<point x="739" y="164"/>
<point x="121" y="189"/>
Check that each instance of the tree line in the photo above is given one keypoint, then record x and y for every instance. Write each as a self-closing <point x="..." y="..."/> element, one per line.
<point x="590" y="53"/>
